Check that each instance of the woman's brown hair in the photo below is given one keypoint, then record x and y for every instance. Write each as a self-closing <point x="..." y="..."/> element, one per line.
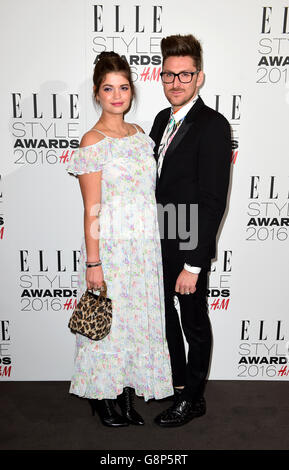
<point x="111" y="62"/>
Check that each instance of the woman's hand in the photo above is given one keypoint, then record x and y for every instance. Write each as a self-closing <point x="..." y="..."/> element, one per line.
<point x="94" y="277"/>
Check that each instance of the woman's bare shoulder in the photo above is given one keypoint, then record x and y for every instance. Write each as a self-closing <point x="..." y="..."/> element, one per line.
<point x="139" y="128"/>
<point x="91" y="137"/>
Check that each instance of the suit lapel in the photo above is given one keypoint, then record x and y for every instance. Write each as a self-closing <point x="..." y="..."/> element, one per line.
<point x="184" y="128"/>
<point x="161" y="130"/>
<point x="158" y="140"/>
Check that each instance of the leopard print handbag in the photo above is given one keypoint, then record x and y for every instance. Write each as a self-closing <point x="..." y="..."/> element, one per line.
<point x="92" y="316"/>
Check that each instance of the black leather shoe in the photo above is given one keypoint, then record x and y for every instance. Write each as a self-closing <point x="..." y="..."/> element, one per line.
<point x="125" y="401"/>
<point x="107" y="413"/>
<point x="200" y="403"/>
<point x="181" y="412"/>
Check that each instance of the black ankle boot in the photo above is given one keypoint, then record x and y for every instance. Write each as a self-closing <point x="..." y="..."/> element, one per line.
<point x="107" y="413"/>
<point x="125" y="401"/>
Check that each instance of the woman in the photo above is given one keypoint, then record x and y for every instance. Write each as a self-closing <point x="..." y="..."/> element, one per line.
<point x="116" y="171"/>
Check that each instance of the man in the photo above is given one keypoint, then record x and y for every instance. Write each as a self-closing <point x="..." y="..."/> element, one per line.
<point x="193" y="152"/>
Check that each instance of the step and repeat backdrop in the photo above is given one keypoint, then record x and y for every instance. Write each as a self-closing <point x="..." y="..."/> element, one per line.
<point x="48" y="49"/>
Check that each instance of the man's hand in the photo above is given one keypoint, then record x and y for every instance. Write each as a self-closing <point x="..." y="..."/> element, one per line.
<point x="186" y="282"/>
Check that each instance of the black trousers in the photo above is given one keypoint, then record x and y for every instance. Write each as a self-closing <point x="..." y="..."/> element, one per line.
<point x="190" y="371"/>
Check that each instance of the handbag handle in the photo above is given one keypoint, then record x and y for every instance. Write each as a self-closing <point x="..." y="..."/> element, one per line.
<point x="102" y="290"/>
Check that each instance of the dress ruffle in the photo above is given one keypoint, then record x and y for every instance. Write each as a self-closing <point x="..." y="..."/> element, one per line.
<point x="89" y="159"/>
<point x="102" y="375"/>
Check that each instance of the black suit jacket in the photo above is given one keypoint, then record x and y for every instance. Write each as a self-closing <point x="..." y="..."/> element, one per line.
<point x="196" y="170"/>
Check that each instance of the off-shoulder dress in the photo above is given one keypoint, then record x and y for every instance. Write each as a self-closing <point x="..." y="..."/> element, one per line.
<point x="135" y="353"/>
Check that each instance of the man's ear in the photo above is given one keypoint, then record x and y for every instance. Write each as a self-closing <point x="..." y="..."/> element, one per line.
<point x="200" y="79"/>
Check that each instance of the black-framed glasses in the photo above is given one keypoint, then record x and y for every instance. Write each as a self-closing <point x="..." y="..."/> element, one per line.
<point x="184" y="77"/>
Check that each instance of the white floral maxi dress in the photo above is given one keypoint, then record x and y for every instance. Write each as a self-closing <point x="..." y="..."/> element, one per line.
<point x="135" y="352"/>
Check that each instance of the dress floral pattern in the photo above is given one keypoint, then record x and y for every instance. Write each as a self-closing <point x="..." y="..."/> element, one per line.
<point x="135" y="353"/>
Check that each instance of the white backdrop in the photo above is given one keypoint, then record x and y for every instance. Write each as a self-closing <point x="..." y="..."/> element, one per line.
<point x="48" y="49"/>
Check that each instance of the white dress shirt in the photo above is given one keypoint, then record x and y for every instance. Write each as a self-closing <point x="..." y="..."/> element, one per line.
<point x="180" y="116"/>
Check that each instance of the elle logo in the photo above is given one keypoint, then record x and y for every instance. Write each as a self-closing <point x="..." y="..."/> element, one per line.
<point x="17" y="112"/>
<point x="134" y="17"/>
<point x="38" y="259"/>
<point x="269" y="188"/>
<point x="261" y="335"/>
<point x="268" y="16"/>
<point x="4" y="330"/>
